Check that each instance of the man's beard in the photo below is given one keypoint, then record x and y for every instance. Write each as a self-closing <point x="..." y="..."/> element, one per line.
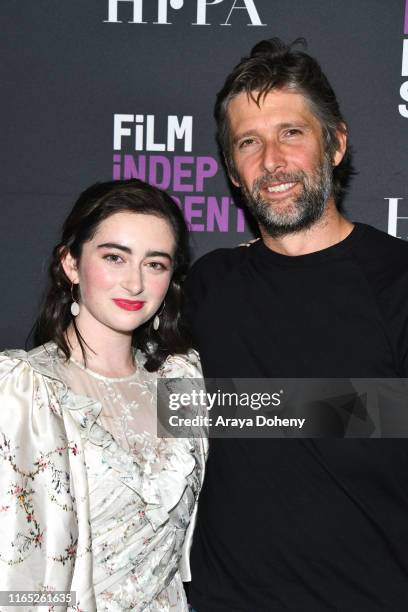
<point x="303" y="211"/>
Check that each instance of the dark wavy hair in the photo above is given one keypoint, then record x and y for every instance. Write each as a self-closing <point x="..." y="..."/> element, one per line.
<point x="93" y="206"/>
<point x="272" y="64"/>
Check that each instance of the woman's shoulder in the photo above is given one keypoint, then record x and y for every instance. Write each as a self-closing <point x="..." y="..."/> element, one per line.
<point x="47" y="350"/>
<point x="27" y="385"/>
<point x="178" y="365"/>
<point x="12" y="359"/>
<point x="187" y="365"/>
<point x="31" y="382"/>
<point x="40" y="360"/>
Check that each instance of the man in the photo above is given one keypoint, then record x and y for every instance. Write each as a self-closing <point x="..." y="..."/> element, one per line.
<point x="299" y="524"/>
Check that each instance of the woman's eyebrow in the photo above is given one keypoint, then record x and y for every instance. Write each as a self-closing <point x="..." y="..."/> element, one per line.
<point x="159" y="254"/>
<point x="115" y="245"/>
<point x="125" y="249"/>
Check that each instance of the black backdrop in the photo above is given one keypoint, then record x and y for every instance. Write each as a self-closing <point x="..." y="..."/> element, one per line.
<point x="71" y="70"/>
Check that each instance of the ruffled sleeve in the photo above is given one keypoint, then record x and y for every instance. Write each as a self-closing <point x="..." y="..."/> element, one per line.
<point x="44" y="527"/>
<point x="189" y="367"/>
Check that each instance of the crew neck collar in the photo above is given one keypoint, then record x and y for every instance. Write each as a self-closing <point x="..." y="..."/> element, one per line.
<point x="108" y="379"/>
<point x="335" y="251"/>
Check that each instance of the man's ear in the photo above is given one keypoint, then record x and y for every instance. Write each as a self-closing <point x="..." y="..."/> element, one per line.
<point x="341" y="135"/>
<point x="69" y="265"/>
<point x="233" y="180"/>
<point x="231" y="173"/>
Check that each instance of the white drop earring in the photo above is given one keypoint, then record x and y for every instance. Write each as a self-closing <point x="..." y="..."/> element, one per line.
<point x="156" y="320"/>
<point x="74" y="304"/>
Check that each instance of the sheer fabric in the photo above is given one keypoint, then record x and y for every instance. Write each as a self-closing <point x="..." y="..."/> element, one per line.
<point x="91" y="500"/>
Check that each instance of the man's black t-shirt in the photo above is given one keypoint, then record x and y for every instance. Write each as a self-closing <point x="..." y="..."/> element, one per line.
<point x="297" y="524"/>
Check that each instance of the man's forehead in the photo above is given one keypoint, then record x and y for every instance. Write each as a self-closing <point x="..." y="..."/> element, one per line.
<point x="280" y="105"/>
<point x="275" y="98"/>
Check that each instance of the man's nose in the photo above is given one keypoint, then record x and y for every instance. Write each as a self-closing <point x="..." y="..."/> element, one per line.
<point x="273" y="157"/>
<point x="133" y="282"/>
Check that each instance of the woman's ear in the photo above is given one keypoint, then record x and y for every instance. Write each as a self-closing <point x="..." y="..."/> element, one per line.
<point x="69" y="265"/>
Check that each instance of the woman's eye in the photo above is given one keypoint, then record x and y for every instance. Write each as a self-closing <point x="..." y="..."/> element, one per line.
<point x="116" y="259"/>
<point x="156" y="265"/>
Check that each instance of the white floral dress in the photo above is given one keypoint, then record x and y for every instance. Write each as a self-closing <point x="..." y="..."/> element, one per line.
<point x="91" y="500"/>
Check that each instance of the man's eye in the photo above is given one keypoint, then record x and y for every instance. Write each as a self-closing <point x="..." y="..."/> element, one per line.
<point x="293" y="132"/>
<point x="246" y="143"/>
<point x="116" y="259"/>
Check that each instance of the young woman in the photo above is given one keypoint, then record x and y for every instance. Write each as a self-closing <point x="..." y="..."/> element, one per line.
<point x="91" y="500"/>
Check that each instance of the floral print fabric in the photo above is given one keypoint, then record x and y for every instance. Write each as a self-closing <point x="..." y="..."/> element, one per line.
<point x="90" y="499"/>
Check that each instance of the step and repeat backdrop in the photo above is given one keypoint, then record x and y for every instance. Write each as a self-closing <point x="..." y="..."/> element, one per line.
<point x="108" y="89"/>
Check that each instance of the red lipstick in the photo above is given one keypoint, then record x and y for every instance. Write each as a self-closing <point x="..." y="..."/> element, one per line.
<point x="129" y="304"/>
